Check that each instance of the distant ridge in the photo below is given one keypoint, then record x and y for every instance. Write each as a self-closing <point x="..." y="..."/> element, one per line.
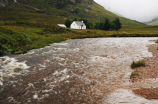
<point x="153" y="22"/>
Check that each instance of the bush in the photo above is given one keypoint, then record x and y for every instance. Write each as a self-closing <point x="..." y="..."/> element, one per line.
<point x="137" y="64"/>
<point x="133" y="75"/>
<point x="1" y="49"/>
<point x="3" y="41"/>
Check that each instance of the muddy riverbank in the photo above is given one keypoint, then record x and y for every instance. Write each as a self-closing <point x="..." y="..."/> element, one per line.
<point x="89" y="71"/>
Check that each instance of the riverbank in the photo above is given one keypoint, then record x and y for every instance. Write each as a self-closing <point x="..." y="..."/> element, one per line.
<point x="148" y="76"/>
<point x="20" y="37"/>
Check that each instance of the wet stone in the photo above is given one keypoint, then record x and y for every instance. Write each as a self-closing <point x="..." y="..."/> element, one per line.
<point x="17" y="70"/>
<point x="78" y="81"/>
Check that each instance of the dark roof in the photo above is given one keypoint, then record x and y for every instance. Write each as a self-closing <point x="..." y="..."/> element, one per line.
<point x="79" y="23"/>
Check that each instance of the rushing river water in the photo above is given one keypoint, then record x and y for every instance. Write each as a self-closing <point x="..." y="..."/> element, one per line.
<point x="79" y="71"/>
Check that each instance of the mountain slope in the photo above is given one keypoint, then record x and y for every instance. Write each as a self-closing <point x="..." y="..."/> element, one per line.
<point x="153" y="22"/>
<point x="56" y="11"/>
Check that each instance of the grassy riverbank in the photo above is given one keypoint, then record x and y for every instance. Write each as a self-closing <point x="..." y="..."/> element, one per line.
<point x="19" y="37"/>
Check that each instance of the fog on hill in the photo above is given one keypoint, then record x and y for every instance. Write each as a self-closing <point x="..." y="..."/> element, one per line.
<point x="140" y="10"/>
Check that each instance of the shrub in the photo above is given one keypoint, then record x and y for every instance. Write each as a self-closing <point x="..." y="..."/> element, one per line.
<point x="137" y="64"/>
<point x="3" y="41"/>
<point x="89" y="31"/>
<point x="133" y="75"/>
<point x="1" y="49"/>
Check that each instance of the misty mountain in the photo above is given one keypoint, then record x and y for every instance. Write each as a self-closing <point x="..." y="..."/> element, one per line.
<point x="56" y="11"/>
<point x="153" y="21"/>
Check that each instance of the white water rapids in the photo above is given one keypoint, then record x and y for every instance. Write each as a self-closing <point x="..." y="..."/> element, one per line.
<point x="87" y="71"/>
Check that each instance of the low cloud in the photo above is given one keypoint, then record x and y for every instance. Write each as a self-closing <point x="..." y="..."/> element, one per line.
<point x="140" y="10"/>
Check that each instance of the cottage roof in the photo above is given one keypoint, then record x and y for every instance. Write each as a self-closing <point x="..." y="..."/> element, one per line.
<point x="79" y="23"/>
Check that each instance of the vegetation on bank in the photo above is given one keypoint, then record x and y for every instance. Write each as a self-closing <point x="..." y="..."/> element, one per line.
<point x="19" y="37"/>
<point x="156" y="41"/>
<point x="133" y="75"/>
<point x="137" y="64"/>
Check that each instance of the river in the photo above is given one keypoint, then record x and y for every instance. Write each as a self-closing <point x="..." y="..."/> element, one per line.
<point x="79" y="71"/>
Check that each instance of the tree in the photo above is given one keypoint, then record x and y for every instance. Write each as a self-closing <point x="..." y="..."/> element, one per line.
<point x="103" y="25"/>
<point x="68" y="23"/>
<point x="99" y="25"/>
<point x="96" y="26"/>
<point x="112" y="26"/>
<point x="75" y="19"/>
<point x="106" y="24"/>
<point x="88" y="24"/>
<point x="117" y="24"/>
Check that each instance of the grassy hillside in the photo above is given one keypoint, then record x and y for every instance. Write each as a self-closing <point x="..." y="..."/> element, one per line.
<point x="153" y="22"/>
<point x="56" y="11"/>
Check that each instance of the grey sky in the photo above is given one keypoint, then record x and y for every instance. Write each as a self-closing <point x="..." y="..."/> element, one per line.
<point x="140" y="10"/>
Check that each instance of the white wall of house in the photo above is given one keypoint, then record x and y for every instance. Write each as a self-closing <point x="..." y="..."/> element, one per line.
<point x="84" y="27"/>
<point x="75" y="26"/>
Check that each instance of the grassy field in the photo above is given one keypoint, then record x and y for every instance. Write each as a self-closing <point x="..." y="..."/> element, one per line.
<point x="19" y="37"/>
<point x="144" y="31"/>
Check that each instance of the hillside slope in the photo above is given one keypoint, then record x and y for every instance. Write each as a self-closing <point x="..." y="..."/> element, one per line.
<point x="56" y="11"/>
<point x="153" y="22"/>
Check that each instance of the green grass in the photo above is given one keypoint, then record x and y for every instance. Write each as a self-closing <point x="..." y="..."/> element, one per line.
<point x="23" y="36"/>
<point x="137" y="64"/>
<point x="20" y="39"/>
<point x="41" y="41"/>
<point x="133" y="75"/>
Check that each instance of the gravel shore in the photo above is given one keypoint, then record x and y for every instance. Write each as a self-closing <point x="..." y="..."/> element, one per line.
<point x="150" y="72"/>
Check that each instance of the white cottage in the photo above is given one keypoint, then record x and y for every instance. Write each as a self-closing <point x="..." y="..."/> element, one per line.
<point x="78" y="25"/>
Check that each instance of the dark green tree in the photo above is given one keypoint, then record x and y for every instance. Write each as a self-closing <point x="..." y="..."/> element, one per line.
<point x="75" y="19"/>
<point x="88" y="24"/>
<point x="3" y="41"/>
<point x="68" y="23"/>
<point x="91" y="26"/>
<point x="99" y="25"/>
<point x="112" y="26"/>
<point x="103" y="25"/>
<point x="106" y="24"/>
<point x="117" y="24"/>
<point x="96" y="26"/>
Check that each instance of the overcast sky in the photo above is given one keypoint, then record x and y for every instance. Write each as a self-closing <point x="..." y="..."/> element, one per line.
<point x="140" y="10"/>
